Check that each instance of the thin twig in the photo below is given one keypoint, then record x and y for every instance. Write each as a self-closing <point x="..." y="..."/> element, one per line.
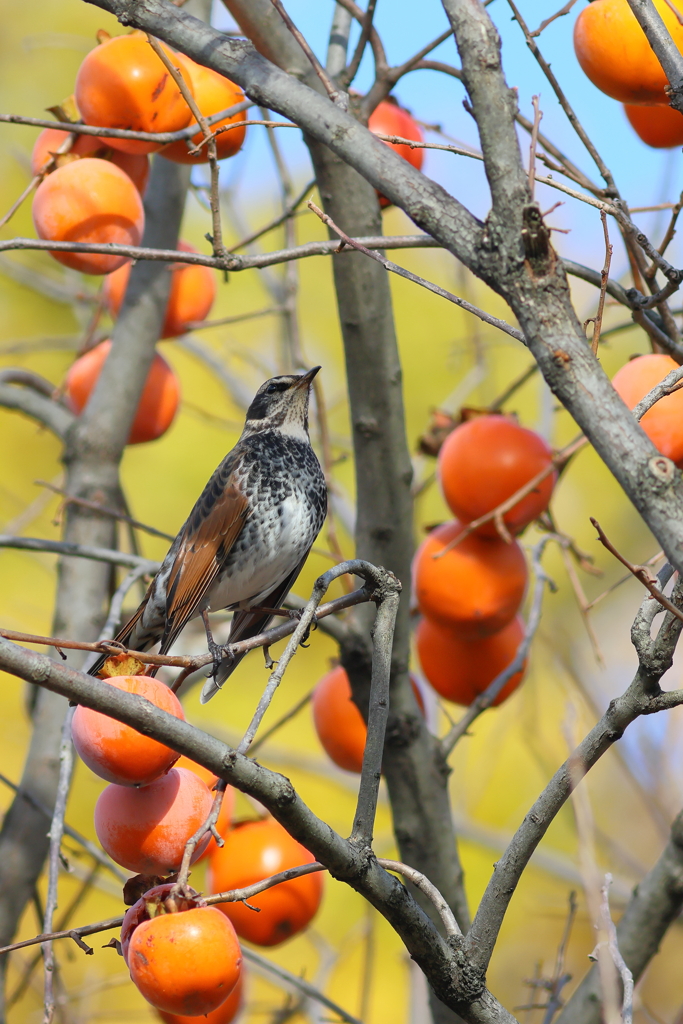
<point x="613" y="946"/>
<point x="496" y="515"/>
<point x="604" y="277"/>
<point x="351" y="71"/>
<point x="159" y="138"/>
<point x="66" y="763"/>
<point x="287" y="717"/>
<point x="548" y="21"/>
<point x="356" y="568"/>
<point x="207" y="827"/>
<point x="378" y="712"/>
<point x="87" y="929"/>
<point x="186" y="92"/>
<point x="534" y="141"/>
<point x="193" y="662"/>
<point x="328" y="84"/>
<point x="201" y="325"/>
<point x="671" y="383"/>
<point x="624" y="579"/>
<point x="94" y="851"/>
<point x="394" y="268"/>
<point x="104" y="510"/>
<point x="486" y="699"/>
<point x="62" y="547"/>
<point x="229" y="261"/>
<point x="641" y="573"/>
<point x="499" y="402"/>
<point x="288" y="211"/>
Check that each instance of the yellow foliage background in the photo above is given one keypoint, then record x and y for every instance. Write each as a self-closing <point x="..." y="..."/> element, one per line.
<point x="511" y="753"/>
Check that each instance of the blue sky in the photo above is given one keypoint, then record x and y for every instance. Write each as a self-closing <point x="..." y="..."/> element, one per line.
<point x="644" y="176"/>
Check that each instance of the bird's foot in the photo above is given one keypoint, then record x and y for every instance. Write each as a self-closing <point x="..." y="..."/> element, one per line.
<point x="297" y="613"/>
<point x="220" y="653"/>
<point x="270" y="662"/>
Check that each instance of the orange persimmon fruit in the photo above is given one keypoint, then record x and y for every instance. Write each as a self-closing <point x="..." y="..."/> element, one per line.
<point x="476" y="588"/>
<point x="145" y="830"/>
<point x="256" y="850"/>
<point x="158" y="403"/>
<point x="659" y="126"/>
<point x="51" y="139"/>
<point x="614" y="53"/>
<point x="89" y="201"/>
<point x="123" y="83"/>
<point x="460" y="670"/>
<point x="223" y="1014"/>
<point x="338" y="722"/>
<point x="663" y="423"/>
<point x="186" y="962"/>
<point x="485" y="461"/>
<point x="389" y="119"/>
<point x="193" y="290"/>
<point x="117" y="752"/>
<point x="212" y="92"/>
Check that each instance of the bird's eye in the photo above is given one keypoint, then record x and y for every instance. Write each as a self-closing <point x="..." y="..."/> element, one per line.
<point x="271" y="389"/>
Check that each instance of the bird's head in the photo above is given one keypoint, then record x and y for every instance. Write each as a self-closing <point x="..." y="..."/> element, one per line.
<point x="282" y="404"/>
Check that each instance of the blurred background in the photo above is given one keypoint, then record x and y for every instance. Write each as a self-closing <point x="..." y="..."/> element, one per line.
<point x="579" y="660"/>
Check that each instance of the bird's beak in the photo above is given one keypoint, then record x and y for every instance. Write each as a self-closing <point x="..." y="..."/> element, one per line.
<point x="307" y="378"/>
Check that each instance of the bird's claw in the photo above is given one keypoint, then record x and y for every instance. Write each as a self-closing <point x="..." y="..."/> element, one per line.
<point x="219" y="653"/>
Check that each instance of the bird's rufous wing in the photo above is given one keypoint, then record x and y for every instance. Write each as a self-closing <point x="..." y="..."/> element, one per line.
<point x="204" y="547"/>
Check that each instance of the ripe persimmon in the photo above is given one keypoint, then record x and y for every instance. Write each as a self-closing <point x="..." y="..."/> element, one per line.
<point x="613" y="50"/>
<point x="338" y="722"/>
<point x="227" y="807"/>
<point x="389" y="119"/>
<point x="476" y="588"/>
<point x="253" y="851"/>
<point x="117" y="752"/>
<point x="193" y="290"/>
<point x="89" y="201"/>
<point x="212" y="92"/>
<point x="485" y="461"/>
<point x="186" y="962"/>
<point x="460" y="669"/>
<point x="145" y="830"/>
<point x="663" y="423"/>
<point x="51" y="139"/>
<point x="223" y="1014"/>
<point x="658" y="126"/>
<point x="123" y="83"/>
<point x="158" y="403"/>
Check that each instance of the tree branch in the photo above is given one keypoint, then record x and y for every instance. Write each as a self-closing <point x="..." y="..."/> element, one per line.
<point x="665" y="49"/>
<point x="643" y="696"/>
<point x="38" y="407"/>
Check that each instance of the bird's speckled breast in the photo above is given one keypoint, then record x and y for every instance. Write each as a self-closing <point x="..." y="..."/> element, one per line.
<point x="282" y="478"/>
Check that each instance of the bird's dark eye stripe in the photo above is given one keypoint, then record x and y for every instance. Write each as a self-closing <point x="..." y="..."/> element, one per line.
<point x="272" y="388"/>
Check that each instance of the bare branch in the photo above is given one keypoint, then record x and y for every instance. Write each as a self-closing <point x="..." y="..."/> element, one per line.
<point x="643" y="696"/>
<point x="351" y="71"/>
<point x="61" y="547"/>
<point x="44" y="410"/>
<point x="330" y="89"/>
<point x="486" y="699"/>
<point x="286" y="213"/>
<point x="159" y="138"/>
<point x="396" y="269"/>
<point x="378" y="588"/>
<point x="192" y="662"/>
<point x="66" y="763"/>
<point x="672" y="382"/>
<point x="665" y="49"/>
<point x="597" y="322"/>
<point x="641" y="572"/>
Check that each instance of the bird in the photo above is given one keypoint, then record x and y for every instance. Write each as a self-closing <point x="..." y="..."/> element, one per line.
<point x="247" y="537"/>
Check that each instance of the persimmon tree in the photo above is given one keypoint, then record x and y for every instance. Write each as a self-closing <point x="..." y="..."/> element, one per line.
<point x="511" y="251"/>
